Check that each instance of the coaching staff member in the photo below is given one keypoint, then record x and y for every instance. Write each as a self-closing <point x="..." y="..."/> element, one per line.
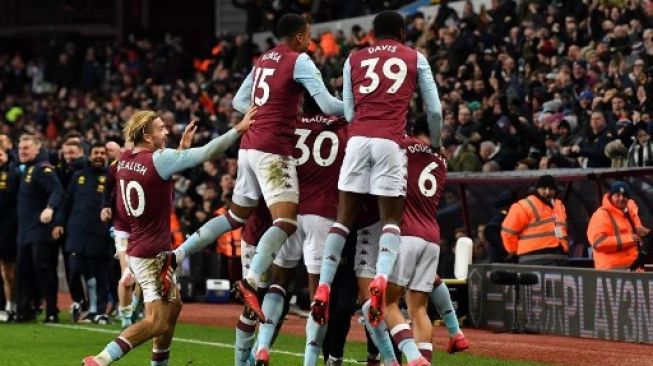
<point x="39" y="195"/>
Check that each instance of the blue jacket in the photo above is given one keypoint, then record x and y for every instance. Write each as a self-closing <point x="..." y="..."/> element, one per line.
<point x="39" y="188"/>
<point x="86" y="233"/>
<point x="8" y="186"/>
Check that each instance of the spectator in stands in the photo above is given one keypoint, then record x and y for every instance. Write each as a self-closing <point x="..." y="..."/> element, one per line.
<point x="594" y="145"/>
<point x="535" y="229"/>
<point x="615" y="231"/>
<point x="461" y="157"/>
<point x="641" y="151"/>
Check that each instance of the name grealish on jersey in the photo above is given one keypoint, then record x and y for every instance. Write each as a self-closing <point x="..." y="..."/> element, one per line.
<point x="133" y="166"/>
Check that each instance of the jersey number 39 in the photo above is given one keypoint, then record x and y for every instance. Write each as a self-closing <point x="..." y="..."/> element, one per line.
<point x="393" y="68"/>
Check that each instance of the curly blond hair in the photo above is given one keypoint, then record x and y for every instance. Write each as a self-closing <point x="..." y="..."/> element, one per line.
<point x="137" y="125"/>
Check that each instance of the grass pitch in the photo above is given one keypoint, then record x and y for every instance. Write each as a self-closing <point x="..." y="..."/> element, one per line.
<point x="35" y="344"/>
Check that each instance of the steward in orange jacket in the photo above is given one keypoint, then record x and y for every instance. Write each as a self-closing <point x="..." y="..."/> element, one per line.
<point x="535" y="228"/>
<point x="615" y="230"/>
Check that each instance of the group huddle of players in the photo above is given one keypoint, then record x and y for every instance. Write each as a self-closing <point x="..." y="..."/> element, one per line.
<point x="335" y="169"/>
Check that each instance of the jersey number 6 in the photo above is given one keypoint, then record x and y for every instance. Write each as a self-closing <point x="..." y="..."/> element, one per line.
<point x="426" y="176"/>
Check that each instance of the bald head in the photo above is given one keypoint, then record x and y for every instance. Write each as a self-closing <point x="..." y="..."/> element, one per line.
<point x="113" y="150"/>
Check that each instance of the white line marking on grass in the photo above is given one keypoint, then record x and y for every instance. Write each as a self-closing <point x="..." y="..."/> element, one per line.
<point x="183" y="340"/>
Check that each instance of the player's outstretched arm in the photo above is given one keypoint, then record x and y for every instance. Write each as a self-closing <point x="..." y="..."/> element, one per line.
<point x="168" y="161"/>
<point x="429" y="92"/>
<point x="347" y="92"/>
<point x="243" y="98"/>
<point x="307" y="74"/>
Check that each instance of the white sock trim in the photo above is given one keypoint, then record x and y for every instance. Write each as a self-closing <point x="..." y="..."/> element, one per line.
<point x="160" y="350"/>
<point x="247" y="321"/>
<point x="278" y="287"/>
<point x="425" y="346"/>
<point x="286" y="220"/>
<point x="236" y="218"/>
<point x="392" y="227"/>
<point x="127" y="341"/>
<point x="341" y="227"/>
<point x="398" y="328"/>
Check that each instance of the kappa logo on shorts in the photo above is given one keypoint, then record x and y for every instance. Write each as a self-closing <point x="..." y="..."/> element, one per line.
<point x="364" y="252"/>
<point x="365" y="241"/>
<point x="312" y="344"/>
<point x="385" y="249"/>
<point x="362" y="263"/>
<point x="332" y="258"/>
<point x="365" y="232"/>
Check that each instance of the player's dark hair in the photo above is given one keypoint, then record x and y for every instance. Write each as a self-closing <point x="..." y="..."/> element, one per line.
<point x="290" y="24"/>
<point x="98" y="144"/>
<point x="420" y="126"/>
<point x="389" y="24"/>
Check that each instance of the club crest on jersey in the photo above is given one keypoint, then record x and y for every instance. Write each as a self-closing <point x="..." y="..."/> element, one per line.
<point x="273" y="55"/>
<point x="384" y="47"/>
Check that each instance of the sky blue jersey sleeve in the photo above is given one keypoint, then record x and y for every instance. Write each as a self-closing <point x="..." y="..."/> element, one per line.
<point x="347" y="92"/>
<point x="170" y="161"/>
<point x="307" y="74"/>
<point x="429" y="92"/>
<point x="243" y="98"/>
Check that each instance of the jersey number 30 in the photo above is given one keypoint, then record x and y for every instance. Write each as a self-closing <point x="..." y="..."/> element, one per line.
<point x="136" y="208"/>
<point x="317" y="147"/>
<point x="389" y="65"/>
<point x="426" y="176"/>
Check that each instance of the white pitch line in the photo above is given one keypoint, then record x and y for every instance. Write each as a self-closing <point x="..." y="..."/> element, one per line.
<point x="184" y="340"/>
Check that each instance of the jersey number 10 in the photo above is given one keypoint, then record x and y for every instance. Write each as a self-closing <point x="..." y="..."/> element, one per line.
<point x="137" y="208"/>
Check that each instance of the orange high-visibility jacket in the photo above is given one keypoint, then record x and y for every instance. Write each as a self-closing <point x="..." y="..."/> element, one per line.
<point x="612" y="236"/>
<point x="531" y="226"/>
<point x="175" y="230"/>
<point x="228" y="244"/>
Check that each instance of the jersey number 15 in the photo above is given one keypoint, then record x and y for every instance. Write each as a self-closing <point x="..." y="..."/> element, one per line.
<point x="260" y="74"/>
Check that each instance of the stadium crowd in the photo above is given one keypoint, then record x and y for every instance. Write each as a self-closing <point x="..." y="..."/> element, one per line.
<point x="537" y="85"/>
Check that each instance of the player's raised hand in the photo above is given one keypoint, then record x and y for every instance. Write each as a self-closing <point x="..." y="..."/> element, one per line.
<point x="188" y="136"/>
<point x="247" y="120"/>
<point x="106" y="214"/>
